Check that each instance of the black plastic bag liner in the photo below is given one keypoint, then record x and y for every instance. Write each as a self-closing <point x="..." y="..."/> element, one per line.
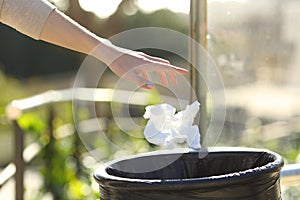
<point x="217" y="173"/>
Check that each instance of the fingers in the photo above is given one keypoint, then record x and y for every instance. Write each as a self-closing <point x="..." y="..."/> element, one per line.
<point x="164" y="71"/>
<point x="163" y="78"/>
<point x="165" y="63"/>
<point x="171" y="68"/>
<point x="169" y="71"/>
<point x="179" y="70"/>
<point x="145" y="75"/>
<point x="172" y="77"/>
<point x="136" y="66"/>
<point x="142" y="80"/>
<point x="156" y="59"/>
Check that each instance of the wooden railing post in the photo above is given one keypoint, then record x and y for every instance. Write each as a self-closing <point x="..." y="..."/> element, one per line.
<point x="49" y="151"/>
<point x="19" y="160"/>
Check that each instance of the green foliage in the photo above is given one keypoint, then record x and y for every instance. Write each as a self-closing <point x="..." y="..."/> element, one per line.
<point x="64" y="174"/>
<point x="10" y="89"/>
<point x="61" y="171"/>
<point x="33" y="123"/>
<point x="291" y="193"/>
<point x="161" y="18"/>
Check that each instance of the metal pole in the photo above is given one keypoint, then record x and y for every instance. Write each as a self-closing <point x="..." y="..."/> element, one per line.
<point x="198" y="32"/>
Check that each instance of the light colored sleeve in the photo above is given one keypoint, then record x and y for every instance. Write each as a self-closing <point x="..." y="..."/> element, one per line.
<point x="26" y="16"/>
<point x="1" y="2"/>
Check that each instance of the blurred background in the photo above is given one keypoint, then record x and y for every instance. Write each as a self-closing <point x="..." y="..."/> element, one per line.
<point x="256" y="47"/>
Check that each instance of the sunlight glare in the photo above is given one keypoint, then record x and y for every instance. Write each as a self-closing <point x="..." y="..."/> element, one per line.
<point x="227" y="1"/>
<point x="173" y="5"/>
<point x="105" y="8"/>
<point x="102" y="8"/>
<point x="180" y="6"/>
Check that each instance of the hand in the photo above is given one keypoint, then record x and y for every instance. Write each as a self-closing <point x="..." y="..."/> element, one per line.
<point x="134" y="66"/>
<point x="130" y="65"/>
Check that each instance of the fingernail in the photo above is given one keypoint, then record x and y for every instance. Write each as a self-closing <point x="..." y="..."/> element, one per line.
<point x="149" y="85"/>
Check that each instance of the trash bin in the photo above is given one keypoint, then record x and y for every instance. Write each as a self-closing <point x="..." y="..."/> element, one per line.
<point x="217" y="173"/>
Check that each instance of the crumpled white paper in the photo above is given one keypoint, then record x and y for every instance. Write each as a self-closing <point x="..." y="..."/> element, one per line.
<point x="166" y="128"/>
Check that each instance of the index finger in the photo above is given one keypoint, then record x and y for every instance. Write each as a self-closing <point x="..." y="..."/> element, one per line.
<point x="169" y="67"/>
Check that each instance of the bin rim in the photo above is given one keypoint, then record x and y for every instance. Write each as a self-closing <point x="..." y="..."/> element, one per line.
<point x="107" y="180"/>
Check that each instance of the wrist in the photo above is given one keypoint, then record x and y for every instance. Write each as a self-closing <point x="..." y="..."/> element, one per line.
<point x="107" y="52"/>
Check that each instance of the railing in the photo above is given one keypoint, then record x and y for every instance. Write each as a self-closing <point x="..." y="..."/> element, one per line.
<point x="14" y="110"/>
<point x="23" y="156"/>
<point x="290" y="174"/>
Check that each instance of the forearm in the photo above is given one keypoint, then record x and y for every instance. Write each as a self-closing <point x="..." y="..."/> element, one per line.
<point x="63" y="31"/>
<point x="42" y="21"/>
<point x="26" y="16"/>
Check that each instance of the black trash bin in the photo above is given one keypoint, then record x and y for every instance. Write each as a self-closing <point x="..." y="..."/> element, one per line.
<point x="217" y="173"/>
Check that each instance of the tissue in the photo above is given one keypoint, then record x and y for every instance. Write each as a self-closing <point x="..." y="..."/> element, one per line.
<point x="165" y="127"/>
